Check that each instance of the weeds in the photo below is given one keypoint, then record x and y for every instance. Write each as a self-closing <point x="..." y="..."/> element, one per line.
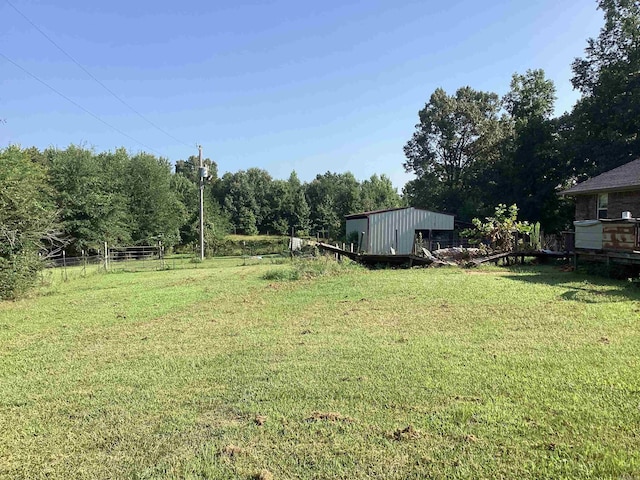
<point x="308" y="268"/>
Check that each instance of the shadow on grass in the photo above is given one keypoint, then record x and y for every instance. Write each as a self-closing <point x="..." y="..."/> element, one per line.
<point x="580" y="287"/>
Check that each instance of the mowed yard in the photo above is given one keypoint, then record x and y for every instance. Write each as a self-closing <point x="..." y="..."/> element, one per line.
<point x="216" y="372"/>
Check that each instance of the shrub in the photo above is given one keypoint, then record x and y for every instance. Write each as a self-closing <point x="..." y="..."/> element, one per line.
<point x="26" y="219"/>
<point x="306" y="268"/>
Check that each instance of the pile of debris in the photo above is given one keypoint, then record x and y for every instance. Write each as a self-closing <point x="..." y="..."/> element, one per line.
<point x="454" y="256"/>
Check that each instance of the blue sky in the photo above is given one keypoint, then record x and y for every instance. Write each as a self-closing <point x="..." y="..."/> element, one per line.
<point x="281" y="85"/>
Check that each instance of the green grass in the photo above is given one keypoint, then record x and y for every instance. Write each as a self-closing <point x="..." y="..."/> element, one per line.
<point x="216" y="372"/>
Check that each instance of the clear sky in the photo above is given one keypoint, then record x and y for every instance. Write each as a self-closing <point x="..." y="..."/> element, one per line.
<point x="276" y="84"/>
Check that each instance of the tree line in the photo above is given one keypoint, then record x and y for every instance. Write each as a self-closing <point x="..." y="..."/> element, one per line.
<point x="92" y="197"/>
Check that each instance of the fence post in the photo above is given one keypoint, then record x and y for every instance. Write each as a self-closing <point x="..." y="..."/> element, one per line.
<point x="64" y="265"/>
<point x="291" y="244"/>
<point x="106" y="257"/>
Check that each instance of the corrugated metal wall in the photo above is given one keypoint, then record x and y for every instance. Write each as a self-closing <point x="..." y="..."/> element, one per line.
<point x="383" y="226"/>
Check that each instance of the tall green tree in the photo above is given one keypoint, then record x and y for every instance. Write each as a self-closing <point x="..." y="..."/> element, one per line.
<point x="89" y="195"/>
<point x="297" y="208"/>
<point x="238" y="201"/>
<point x="379" y="193"/>
<point x="606" y="120"/>
<point x="457" y="137"/>
<point x="532" y="164"/>
<point x="115" y="209"/>
<point x="156" y="212"/>
<point x="289" y="208"/>
<point x="27" y="220"/>
<point x="247" y="200"/>
<point x="331" y="196"/>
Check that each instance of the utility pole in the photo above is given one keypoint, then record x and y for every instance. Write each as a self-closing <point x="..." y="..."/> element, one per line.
<point x="201" y="176"/>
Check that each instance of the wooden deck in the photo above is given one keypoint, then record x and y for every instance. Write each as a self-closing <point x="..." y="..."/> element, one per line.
<point x="608" y="256"/>
<point x="372" y="260"/>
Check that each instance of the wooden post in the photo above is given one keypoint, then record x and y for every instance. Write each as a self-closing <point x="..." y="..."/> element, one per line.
<point x="291" y="244"/>
<point x="64" y="264"/>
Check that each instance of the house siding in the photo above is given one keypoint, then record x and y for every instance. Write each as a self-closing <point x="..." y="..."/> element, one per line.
<point x="624" y="202"/>
<point x="586" y="205"/>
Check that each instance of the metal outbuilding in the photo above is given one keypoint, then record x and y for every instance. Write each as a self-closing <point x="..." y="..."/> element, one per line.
<point x="380" y="231"/>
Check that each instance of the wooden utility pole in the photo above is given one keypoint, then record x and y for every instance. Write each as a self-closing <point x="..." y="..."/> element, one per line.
<point x="201" y="175"/>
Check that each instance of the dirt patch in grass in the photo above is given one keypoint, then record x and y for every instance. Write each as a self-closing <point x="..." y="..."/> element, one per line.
<point x="260" y="420"/>
<point x="462" y="398"/>
<point x="232" y="451"/>
<point x="407" y="433"/>
<point x="263" y="475"/>
<point x="329" y="417"/>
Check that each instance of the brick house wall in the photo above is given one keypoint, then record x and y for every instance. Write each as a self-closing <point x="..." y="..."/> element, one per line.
<point x="586" y="207"/>
<point x="619" y="202"/>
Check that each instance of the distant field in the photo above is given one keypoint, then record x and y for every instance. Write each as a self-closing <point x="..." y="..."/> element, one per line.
<point x="215" y="372"/>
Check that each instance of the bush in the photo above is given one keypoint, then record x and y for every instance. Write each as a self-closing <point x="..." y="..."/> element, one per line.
<point x="306" y="268"/>
<point x="281" y="275"/>
<point x="26" y="218"/>
<point x="236" y="246"/>
<point x="18" y="275"/>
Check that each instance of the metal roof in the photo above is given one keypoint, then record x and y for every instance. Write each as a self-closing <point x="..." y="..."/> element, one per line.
<point x="625" y="177"/>
<point x="373" y="212"/>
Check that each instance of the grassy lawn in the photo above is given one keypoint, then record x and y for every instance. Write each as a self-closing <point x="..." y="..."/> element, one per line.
<point x="217" y="373"/>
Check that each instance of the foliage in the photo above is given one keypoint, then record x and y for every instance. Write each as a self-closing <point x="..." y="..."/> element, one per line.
<point x="311" y="267"/>
<point x="606" y="120"/>
<point x="154" y="208"/>
<point x="90" y="195"/>
<point x="27" y="218"/>
<point x="499" y="229"/>
<point x="532" y="166"/>
<point x="243" y="245"/>
<point x="456" y="138"/>
<point x="243" y="196"/>
<point x="378" y="193"/>
<point x="331" y="196"/>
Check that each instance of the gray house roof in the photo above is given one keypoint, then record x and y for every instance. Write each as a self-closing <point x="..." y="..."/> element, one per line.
<point x="625" y="177"/>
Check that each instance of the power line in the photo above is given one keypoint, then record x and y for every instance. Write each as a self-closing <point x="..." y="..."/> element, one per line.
<point x="115" y="95"/>
<point x="77" y="104"/>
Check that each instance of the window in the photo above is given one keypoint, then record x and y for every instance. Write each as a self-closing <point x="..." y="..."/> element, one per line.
<point x="603" y="205"/>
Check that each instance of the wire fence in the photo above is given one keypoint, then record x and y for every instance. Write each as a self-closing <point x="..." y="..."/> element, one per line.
<point x="137" y="258"/>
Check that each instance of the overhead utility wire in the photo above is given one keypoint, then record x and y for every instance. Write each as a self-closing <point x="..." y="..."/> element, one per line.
<point x="77" y="104"/>
<point x="115" y="95"/>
